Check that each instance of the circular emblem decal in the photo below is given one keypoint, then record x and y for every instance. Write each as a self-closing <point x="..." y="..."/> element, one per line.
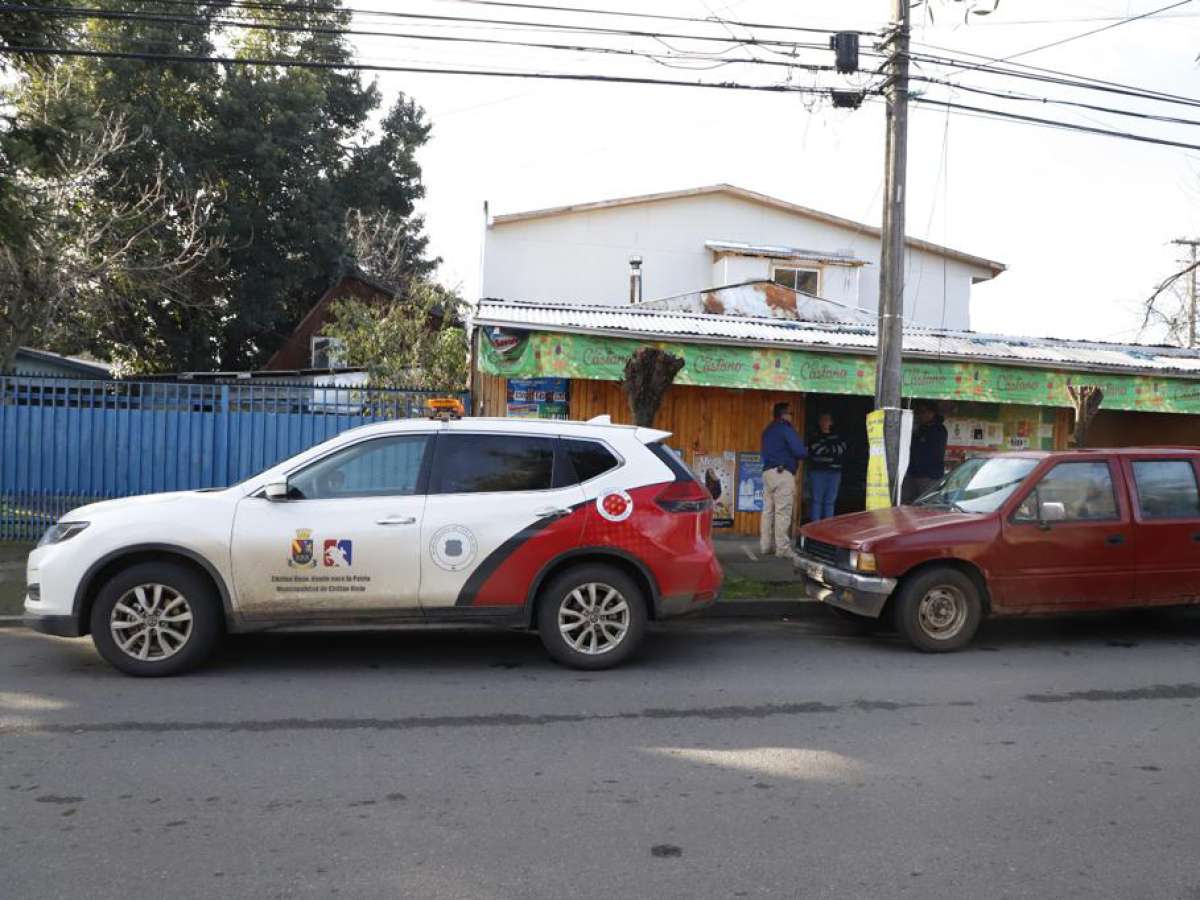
<point x="453" y="547"/>
<point x="615" y="505"/>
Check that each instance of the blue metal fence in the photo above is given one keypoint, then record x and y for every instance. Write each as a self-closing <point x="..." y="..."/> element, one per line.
<point x="64" y="442"/>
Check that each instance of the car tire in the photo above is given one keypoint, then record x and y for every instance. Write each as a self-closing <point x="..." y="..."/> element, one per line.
<point x="938" y="610"/>
<point x="575" y="636"/>
<point x="168" y="618"/>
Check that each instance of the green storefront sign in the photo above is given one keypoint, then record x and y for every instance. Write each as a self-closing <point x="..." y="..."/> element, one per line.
<point x="546" y="354"/>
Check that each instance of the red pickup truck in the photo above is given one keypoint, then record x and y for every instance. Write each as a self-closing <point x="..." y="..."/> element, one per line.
<point x="1015" y="534"/>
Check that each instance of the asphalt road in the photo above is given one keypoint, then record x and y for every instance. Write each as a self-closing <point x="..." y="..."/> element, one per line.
<point x="736" y="759"/>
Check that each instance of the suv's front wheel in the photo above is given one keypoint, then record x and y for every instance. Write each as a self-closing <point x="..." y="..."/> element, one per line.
<point x="592" y="617"/>
<point x="156" y="619"/>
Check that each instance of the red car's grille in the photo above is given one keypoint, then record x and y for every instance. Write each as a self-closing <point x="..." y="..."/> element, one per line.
<point x="827" y="553"/>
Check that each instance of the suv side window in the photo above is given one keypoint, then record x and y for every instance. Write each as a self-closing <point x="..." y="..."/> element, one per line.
<point x="1085" y="489"/>
<point x="487" y="463"/>
<point x="383" y="467"/>
<point x="586" y="460"/>
<point x="1166" y="489"/>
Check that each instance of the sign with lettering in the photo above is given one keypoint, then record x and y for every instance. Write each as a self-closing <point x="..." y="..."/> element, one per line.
<point x="546" y="354"/>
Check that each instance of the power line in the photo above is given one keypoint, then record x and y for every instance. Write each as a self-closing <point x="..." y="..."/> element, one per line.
<point x="122" y="15"/>
<point x="1117" y="24"/>
<point x="1054" y="123"/>
<point x="1066" y="80"/>
<point x="661" y="17"/>
<point x="268" y="6"/>
<point x="1011" y="95"/>
<point x="420" y="70"/>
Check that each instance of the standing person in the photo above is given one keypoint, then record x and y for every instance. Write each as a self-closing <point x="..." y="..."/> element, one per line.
<point x="782" y="451"/>
<point x="927" y="458"/>
<point x="825" y="454"/>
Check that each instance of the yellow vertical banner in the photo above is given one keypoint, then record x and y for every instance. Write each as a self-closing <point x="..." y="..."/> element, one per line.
<point x="879" y="495"/>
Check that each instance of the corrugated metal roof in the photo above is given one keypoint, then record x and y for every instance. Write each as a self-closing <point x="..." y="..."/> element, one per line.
<point x="778" y="251"/>
<point x="918" y="342"/>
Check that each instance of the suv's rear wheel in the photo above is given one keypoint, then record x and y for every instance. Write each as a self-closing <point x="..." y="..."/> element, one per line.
<point x="939" y="609"/>
<point x="156" y="619"/>
<point x="591" y="617"/>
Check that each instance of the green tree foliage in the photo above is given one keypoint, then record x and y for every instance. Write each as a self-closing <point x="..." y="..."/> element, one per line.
<point x="413" y="338"/>
<point x="287" y="151"/>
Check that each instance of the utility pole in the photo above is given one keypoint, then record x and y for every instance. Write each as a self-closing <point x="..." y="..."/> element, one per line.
<point x="1191" y="244"/>
<point x="891" y="268"/>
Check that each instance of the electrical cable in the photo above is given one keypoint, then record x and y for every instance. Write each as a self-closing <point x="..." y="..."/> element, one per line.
<point x="1054" y="123"/>
<point x="1010" y="95"/>
<point x="662" y="17"/>
<point x="1118" y="24"/>
<point x="362" y="67"/>
<point x="121" y="15"/>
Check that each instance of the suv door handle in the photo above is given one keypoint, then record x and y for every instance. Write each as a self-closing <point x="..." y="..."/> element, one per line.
<point x="1115" y="539"/>
<point x="397" y="520"/>
<point x="552" y="512"/>
<point x="1196" y="536"/>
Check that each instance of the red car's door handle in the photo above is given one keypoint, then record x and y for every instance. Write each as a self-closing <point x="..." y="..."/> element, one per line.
<point x="1115" y="539"/>
<point x="1196" y="536"/>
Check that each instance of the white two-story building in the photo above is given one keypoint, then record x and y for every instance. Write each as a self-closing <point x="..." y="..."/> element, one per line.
<point x="709" y="237"/>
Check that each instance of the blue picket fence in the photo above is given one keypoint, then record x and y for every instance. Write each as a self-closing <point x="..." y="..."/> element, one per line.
<point x="64" y="442"/>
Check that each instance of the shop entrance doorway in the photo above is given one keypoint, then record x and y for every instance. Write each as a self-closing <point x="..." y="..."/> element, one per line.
<point x="850" y="421"/>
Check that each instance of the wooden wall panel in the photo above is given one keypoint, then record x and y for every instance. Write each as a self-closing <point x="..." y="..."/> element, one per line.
<point x="701" y="420"/>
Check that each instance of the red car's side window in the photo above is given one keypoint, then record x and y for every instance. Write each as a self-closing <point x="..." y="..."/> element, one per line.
<point x="1166" y="489"/>
<point x="1072" y="492"/>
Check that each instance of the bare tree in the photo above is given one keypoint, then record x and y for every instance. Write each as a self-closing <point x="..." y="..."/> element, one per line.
<point x="1085" y="400"/>
<point x="1168" y="308"/>
<point x="79" y="256"/>
<point x="648" y="374"/>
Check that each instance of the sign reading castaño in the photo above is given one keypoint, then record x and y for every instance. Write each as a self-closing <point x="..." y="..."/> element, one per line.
<point x="547" y="354"/>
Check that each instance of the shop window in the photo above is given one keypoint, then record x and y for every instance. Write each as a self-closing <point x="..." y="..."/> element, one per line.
<point x="806" y="280"/>
<point x="1166" y="489"/>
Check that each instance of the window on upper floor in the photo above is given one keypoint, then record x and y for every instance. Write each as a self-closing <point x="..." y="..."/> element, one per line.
<point x="326" y="353"/>
<point x="798" y="279"/>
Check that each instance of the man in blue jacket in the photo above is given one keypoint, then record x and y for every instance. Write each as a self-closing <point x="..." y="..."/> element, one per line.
<point x="927" y="456"/>
<point x="782" y="451"/>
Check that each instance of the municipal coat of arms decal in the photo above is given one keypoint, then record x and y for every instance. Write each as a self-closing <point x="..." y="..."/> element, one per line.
<point x="302" y="556"/>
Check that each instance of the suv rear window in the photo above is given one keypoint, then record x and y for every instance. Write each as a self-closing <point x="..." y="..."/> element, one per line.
<point x="667" y="456"/>
<point x="486" y="463"/>
<point x="587" y="459"/>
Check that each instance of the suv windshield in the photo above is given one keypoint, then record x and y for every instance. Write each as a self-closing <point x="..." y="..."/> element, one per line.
<point x="979" y="485"/>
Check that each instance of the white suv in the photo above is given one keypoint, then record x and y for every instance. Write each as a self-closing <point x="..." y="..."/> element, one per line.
<point x="582" y="530"/>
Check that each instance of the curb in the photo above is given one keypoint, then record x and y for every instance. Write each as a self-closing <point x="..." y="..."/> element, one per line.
<point x="766" y="608"/>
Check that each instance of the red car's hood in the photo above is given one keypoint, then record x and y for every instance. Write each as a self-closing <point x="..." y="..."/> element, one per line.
<point x="856" y="529"/>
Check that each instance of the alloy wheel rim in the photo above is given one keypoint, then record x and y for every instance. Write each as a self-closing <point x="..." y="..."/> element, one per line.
<point x="942" y="612"/>
<point x="151" y="622"/>
<point x="593" y="618"/>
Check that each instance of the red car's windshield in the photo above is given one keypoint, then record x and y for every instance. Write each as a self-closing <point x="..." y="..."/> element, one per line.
<point x="979" y="485"/>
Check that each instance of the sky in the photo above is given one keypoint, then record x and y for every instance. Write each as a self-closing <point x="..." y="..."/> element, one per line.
<point x="1084" y="223"/>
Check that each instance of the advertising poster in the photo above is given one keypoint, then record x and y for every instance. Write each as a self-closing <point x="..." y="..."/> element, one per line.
<point x="538" y="398"/>
<point x="879" y="488"/>
<point x="749" y="483"/>
<point x="716" y="472"/>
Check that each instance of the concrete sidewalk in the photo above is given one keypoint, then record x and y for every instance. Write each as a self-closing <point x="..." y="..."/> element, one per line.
<point x="740" y="558"/>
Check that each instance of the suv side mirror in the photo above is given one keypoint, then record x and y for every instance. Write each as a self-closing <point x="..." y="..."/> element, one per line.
<point x="1052" y="511"/>
<point x="276" y="491"/>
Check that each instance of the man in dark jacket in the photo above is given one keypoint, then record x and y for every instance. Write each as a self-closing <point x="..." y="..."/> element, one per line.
<point x="927" y="458"/>
<point x="825" y="454"/>
<point x="782" y="451"/>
